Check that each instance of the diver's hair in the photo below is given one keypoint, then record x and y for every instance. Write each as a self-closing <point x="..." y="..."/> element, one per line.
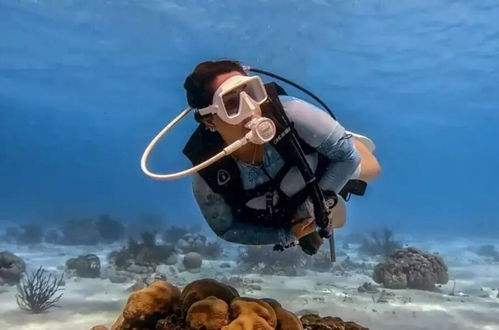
<point x="197" y="83"/>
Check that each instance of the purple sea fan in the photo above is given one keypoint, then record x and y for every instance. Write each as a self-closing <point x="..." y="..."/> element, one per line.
<point x="39" y="291"/>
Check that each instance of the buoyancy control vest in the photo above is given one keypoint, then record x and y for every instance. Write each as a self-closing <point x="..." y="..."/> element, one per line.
<point x="224" y="178"/>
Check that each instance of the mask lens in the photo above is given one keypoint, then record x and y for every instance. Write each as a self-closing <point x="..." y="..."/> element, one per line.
<point x="231" y="99"/>
<point x="254" y="90"/>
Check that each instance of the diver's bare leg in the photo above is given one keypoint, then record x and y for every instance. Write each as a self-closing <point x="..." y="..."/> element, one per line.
<point x="369" y="166"/>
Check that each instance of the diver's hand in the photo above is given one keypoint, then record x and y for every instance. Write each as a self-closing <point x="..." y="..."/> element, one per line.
<point x="303" y="227"/>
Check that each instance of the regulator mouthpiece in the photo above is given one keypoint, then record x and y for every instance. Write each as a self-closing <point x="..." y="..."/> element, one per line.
<point x="262" y="130"/>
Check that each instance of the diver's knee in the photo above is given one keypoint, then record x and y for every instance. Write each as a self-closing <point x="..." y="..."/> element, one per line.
<point x="370" y="173"/>
<point x="339" y="222"/>
<point x="369" y="168"/>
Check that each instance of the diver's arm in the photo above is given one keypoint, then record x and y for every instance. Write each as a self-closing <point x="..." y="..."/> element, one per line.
<point x="345" y="162"/>
<point x="327" y="136"/>
<point x="218" y="215"/>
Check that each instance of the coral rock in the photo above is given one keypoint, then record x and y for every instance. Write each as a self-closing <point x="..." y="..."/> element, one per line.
<point x="208" y="314"/>
<point x="53" y="236"/>
<point x="272" y="302"/>
<point x="145" y="307"/>
<point x="210" y="305"/>
<point x="249" y="313"/>
<point x="110" y="230"/>
<point x="265" y="260"/>
<point x="30" y="234"/>
<point x="367" y="287"/>
<point x="171" y="322"/>
<point x="120" y="324"/>
<point x="192" y="242"/>
<point x="142" y="257"/>
<point x="193" y="260"/>
<point x="411" y="268"/>
<point x="201" y="289"/>
<point x="81" y="232"/>
<point x="119" y="277"/>
<point x="248" y="322"/>
<point x="315" y="322"/>
<point x="183" y="245"/>
<point x="11" y="268"/>
<point x="285" y="319"/>
<point x="171" y="260"/>
<point x="311" y="318"/>
<point x="87" y="266"/>
<point x="487" y="250"/>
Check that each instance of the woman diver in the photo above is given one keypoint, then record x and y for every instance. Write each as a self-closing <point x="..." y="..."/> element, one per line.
<point x="253" y="192"/>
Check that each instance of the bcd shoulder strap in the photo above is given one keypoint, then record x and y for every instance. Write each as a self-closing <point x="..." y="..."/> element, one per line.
<point x="222" y="176"/>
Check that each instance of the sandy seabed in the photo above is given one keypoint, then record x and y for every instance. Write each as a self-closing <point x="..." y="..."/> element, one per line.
<point x="475" y="305"/>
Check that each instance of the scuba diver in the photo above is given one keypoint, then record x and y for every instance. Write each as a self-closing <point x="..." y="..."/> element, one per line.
<point x="268" y="168"/>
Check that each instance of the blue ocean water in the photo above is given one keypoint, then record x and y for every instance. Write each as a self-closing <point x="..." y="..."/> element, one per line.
<point x="84" y="86"/>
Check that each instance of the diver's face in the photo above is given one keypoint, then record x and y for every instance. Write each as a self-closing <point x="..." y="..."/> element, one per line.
<point x="218" y="124"/>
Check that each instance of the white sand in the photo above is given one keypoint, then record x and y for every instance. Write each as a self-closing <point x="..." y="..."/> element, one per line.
<point x="89" y="302"/>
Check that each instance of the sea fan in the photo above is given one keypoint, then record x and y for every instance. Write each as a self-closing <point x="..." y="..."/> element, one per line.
<point x="39" y="291"/>
<point x="379" y="243"/>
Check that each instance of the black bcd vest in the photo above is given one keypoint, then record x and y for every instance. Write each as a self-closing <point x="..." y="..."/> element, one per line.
<point x="223" y="176"/>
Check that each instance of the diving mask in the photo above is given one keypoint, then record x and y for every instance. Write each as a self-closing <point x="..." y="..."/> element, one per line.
<point x="237" y="99"/>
